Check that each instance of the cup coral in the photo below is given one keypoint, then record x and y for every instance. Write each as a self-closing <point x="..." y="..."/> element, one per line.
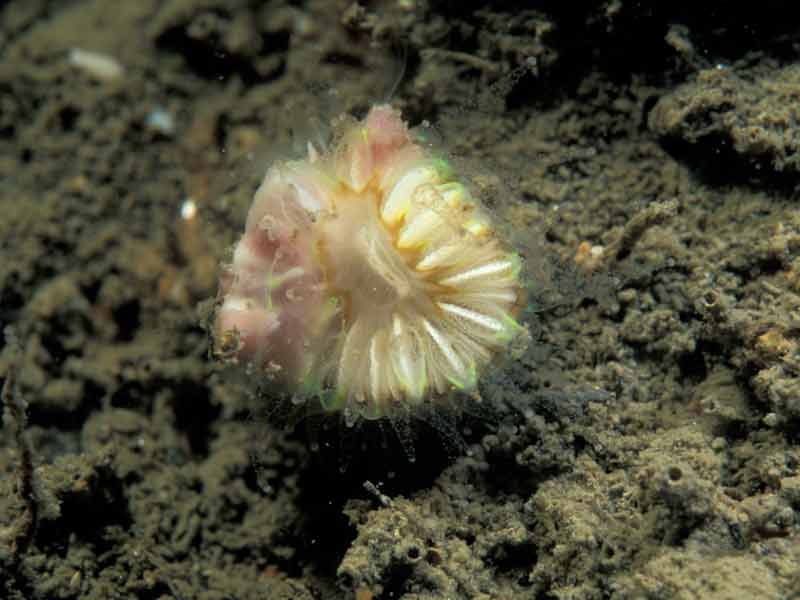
<point x="368" y="277"/>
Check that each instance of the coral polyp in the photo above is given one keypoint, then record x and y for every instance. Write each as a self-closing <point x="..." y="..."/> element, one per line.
<point x="368" y="276"/>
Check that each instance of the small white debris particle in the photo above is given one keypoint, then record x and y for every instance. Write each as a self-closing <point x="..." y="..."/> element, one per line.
<point x="188" y="209"/>
<point x="97" y="65"/>
<point x="161" y="120"/>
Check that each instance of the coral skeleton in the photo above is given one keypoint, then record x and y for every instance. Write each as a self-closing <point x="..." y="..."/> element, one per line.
<point x="368" y="276"/>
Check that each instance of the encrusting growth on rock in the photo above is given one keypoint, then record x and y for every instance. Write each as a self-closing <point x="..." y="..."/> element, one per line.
<point x="16" y="409"/>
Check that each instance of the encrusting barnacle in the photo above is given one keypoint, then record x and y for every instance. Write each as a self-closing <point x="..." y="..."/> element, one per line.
<point x="369" y="277"/>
